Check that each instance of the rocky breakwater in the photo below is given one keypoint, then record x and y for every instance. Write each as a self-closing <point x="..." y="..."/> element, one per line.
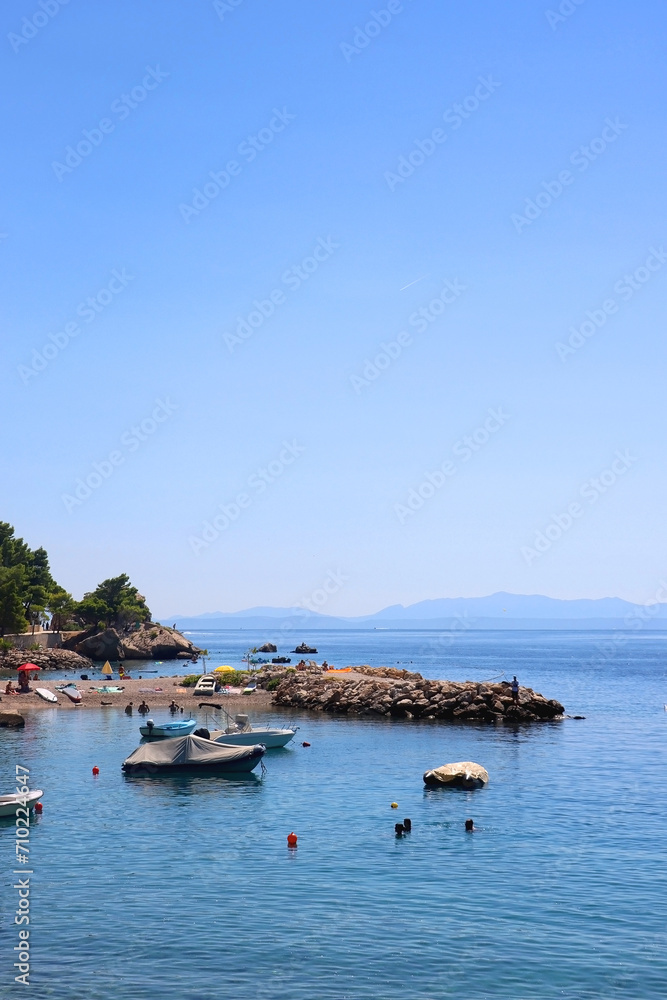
<point x="148" y="641"/>
<point x="413" y="697"/>
<point x="45" y="659"/>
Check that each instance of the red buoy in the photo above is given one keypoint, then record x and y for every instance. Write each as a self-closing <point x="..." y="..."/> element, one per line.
<point x="291" y="839"/>
<point x="305" y="744"/>
<point x="38" y="807"/>
<point x="96" y="770"/>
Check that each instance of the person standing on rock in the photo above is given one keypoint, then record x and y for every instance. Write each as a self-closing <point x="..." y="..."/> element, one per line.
<point x="515" y="690"/>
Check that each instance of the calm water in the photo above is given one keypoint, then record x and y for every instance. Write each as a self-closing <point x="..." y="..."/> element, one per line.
<point x="185" y="888"/>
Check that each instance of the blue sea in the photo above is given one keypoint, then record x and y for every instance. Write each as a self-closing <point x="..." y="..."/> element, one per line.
<point x="186" y="888"/>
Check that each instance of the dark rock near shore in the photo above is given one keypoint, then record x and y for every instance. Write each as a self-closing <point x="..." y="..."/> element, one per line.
<point x="268" y="647"/>
<point x="46" y="659"/>
<point x="413" y="697"/>
<point x="149" y="641"/>
<point x="9" y="719"/>
<point x="303" y="648"/>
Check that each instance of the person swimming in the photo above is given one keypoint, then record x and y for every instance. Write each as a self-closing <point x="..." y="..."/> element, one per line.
<point x="470" y="826"/>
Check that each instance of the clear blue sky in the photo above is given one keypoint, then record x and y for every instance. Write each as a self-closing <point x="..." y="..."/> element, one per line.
<point x="315" y="120"/>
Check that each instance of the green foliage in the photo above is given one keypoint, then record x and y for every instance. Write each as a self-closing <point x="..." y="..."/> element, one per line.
<point x="115" y="602"/>
<point x="190" y="680"/>
<point x="273" y="684"/>
<point x="27" y="591"/>
<point x="6" y="645"/>
<point x="12" y="614"/>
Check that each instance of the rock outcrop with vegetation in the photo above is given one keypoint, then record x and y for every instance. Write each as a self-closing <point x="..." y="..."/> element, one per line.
<point x="146" y="641"/>
<point x="413" y="697"/>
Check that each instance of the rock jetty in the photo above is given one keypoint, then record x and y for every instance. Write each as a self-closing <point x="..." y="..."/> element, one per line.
<point x="411" y="697"/>
<point x="46" y="659"/>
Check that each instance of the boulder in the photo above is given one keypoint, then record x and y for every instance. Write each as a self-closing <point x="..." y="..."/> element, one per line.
<point x="9" y="719"/>
<point x="268" y="647"/>
<point x="462" y="774"/>
<point x="106" y="645"/>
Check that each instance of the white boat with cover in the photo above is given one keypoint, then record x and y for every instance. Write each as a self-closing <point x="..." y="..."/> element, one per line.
<point x="192" y="754"/>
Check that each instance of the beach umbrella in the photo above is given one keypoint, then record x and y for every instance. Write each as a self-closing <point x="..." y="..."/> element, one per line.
<point x="28" y="666"/>
<point x="224" y="670"/>
<point x="106" y="669"/>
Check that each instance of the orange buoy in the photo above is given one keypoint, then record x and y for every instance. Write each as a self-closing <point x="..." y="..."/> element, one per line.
<point x="305" y="744"/>
<point x="291" y="839"/>
<point x="96" y="770"/>
<point x="38" y="807"/>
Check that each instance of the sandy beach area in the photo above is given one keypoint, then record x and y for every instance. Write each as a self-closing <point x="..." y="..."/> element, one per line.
<point x="157" y="692"/>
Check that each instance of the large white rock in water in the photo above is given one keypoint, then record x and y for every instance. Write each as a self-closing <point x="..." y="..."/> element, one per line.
<point x="462" y="774"/>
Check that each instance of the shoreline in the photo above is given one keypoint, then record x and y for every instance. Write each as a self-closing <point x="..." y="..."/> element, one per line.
<point x="157" y="692"/>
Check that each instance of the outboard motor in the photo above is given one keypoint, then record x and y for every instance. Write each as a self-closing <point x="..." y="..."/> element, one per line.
<point x="149" y="725"/>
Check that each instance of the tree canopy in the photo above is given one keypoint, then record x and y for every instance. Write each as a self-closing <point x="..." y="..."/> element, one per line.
<point x="28" y="592"/>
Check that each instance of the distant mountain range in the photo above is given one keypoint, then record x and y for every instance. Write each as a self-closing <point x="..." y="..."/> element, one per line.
<point x="495" y="611"/>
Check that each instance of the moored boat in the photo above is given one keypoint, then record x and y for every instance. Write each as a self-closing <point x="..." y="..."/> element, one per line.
<point x="240" y="733"/>
<point x="192" y="754"/>
<point x="10" y="803"/>
<point x="168" y="730"/>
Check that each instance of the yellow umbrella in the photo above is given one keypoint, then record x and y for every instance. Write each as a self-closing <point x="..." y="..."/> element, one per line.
<point x="224" y="670"/>
<point x="106" y="669"/>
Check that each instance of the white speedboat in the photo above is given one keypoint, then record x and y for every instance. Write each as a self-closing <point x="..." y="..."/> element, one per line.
<point x="10" y="803"/>
<point x="167" y="730"/>
<point x="239" y="733"/>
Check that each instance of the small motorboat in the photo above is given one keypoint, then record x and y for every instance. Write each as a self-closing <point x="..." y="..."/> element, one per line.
<point x="192" y="754"/>
<point x="239" y="733"/>
<point x="10" y="803"/>
<point x="70" y="691"/>
<point x="205" y="685"/>
<point x="46" y="695"/>
<point x="167" y="730"/>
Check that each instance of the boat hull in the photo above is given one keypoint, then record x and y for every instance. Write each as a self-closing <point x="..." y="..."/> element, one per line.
<point x="46" y="695"/>
<point x="169" y="730"/>
<point x="242" y="766"/>
<point x="271" y="738"/>
<point x="10" y="803"/>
